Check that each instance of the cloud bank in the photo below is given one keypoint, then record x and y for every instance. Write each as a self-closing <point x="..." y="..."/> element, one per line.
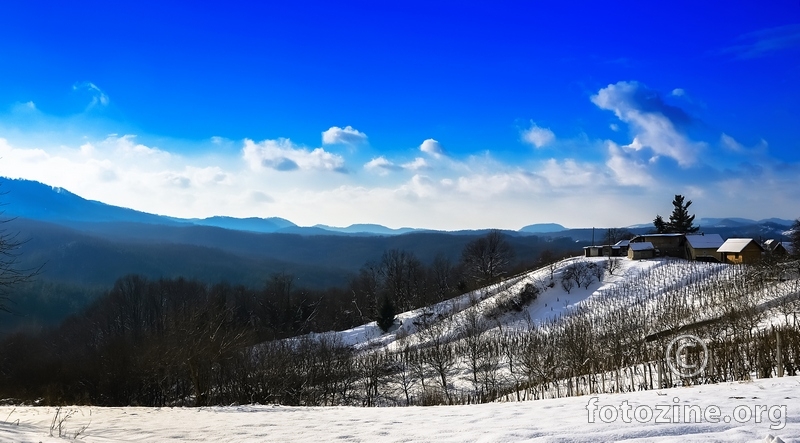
<point x="600" y="182"/>
<point x="656" y="126"/>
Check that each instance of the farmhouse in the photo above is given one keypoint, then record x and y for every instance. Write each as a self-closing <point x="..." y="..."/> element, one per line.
<point x="618" y="249"/>
<point x="666" y="244"/>
<point x="740" y="250"/>
<point x="641" y="250"/>
<point x="703" y="247"/>
<point x="775" y="247"/>
<point x="592" y="251"/>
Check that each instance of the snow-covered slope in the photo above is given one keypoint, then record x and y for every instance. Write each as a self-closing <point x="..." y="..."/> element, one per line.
<point x="756" y="411"/>
<point x="553" y="301"/>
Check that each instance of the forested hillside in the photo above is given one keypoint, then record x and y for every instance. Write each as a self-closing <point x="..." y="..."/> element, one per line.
<point x="77" y="265"/>
<point x="566" y="328"/>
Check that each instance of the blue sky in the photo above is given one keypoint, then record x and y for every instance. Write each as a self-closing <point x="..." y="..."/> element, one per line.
<point x="427" y="114"/>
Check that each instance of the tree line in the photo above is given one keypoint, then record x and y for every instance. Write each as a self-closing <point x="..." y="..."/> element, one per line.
<point x="153" y="341"/>
<point x="184" y="342"/>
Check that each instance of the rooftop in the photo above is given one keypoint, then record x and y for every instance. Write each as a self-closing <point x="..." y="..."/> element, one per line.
<point x="736" y="244"/>
<point x="703" y="241"/>
<point x="641" y="246"/>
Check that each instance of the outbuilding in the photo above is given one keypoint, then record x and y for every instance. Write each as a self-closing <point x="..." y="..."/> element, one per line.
<point x="740" y="251"/>
<point x="671" y="245"/>
<point x="641" y="250"/>
<point x="703" y="247"/>
<point x="777" y="248"/>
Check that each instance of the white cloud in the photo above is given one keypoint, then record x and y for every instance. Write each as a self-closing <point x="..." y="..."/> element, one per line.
<point x="569" y="173"/>
<point x="732" y="145"/>
<point x="537" y="136"/>
<point x="765" y="42"/>
<point x="26" y="108"/>
<point x="432" y="148"/>
<point x="261" y="197"/>
<point x="381" y="166"/>
<point x="484" y="186"/>
<point x="283" y="155"/>
<point x="98" y="96"/>
<point x="416" y="164"/>
<point x="419" y="187"/>
<point x="176" y="180"/>
<point x="126" y="146"/>
<point x="626" y="170"/>
<point x="347" y="136"/>
<point x="432" y="190"/>
<point x="653" y="122"/>
<point x="678" y="92"/>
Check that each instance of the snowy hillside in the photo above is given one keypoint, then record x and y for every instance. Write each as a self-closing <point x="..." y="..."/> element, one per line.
<point x="575" y="351"/>
<point x="557" y="420"/>
<point x="576" y="327"/>
<point x="550" y="304"/>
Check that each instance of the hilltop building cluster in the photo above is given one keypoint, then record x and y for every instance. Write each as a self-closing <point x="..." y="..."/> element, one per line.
<point x="700" y="247"/>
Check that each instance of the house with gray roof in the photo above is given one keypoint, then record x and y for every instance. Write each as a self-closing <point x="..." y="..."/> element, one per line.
<point x="641" y="250"/>
<point x="703" y="247"/>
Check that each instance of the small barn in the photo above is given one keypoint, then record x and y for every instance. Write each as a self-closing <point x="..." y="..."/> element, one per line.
<point x="740" y="251"/>
<point x="703" y="247"/>
<point x="777" y="248"/>
<point x="667" y="244"/>
<point x="641" y="250"/>
<point x="620" y="248"/>
<point x="592" y="251"/>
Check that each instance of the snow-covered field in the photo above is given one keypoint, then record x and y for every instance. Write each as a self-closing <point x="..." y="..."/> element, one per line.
<point x="763" y="410"/>
<point x="552" y="302"/>
<point x="773" y="406"/>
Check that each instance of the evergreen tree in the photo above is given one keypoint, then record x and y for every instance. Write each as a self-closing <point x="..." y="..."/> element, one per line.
<point x="386" y="315"/>
<point x="795" y="238"/>
<point x="660" y="224"/>
<point x="680" y="221"/>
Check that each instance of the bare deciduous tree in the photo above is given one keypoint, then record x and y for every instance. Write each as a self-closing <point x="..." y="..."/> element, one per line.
<point x="10" y="272"/>
<point x="487" y="257"/>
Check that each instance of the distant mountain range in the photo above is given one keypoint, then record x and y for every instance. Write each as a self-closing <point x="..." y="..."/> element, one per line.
<point x="83" y="246"/>
<point x="37" y="201"/>
<point x="733" y="222"/>
<point x="252" y="224"/>
<point x="728" y="222"/>
<point x="542" y="228"/>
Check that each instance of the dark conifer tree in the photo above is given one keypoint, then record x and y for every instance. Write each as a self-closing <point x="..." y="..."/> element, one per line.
<point x="386" y="315"/>
<point x="680" y="221"/>
<point x="795" y="238"/>
<point x="660" y="224"/>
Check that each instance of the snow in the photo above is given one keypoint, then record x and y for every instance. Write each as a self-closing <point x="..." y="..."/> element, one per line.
<point x="552" y="302"/>
<point x="705" y="241"/>
<point x="550" y="420"/>
<point x="556" y="420"/>
<point x="735" y="244"/>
